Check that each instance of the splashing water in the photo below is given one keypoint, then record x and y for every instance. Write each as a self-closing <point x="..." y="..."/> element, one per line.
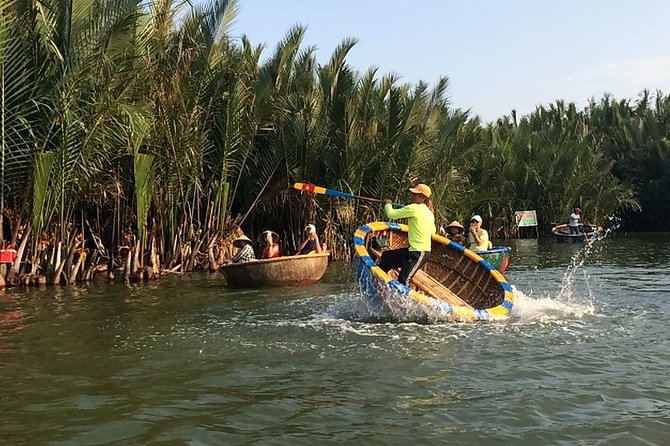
<point x="566" y="293"/>
<point x="566" y="304"/>
<point x="399" y="308"/>
<point x="357" y="307"/>
<point x="547" y="309"/>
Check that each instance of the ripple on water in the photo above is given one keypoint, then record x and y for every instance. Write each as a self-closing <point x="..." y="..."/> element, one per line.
<point x="583" y="359"/>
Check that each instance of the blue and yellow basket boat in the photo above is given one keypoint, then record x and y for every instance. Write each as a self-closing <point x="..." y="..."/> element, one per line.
<point x="498" y="257"/>
<point x="455" y="282"/>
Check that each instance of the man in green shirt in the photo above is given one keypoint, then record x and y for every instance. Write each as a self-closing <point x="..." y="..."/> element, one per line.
<point x="421" y="222"/>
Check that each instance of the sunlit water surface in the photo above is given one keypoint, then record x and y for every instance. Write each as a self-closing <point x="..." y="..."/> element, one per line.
<point x="584" y="359"/>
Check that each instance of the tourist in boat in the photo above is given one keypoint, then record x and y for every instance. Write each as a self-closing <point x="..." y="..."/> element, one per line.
<point x="574" y="221"/>
<point x="456" y="232"/>
<point x="478" y="237"/>
<point x="311" y="242"/>
<point x="421" y="222"/>
<point x="245" y="252"/>
<point x="270" y="241"/>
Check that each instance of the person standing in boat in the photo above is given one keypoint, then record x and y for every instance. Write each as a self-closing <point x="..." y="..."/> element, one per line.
<point x="270" y="241"/>
<point x="421" y="222"/>
<point x="245" y="252"/>
<point x="311" y="243"/>
<point x="574" y="221"/>
<point x="478" y="237"/>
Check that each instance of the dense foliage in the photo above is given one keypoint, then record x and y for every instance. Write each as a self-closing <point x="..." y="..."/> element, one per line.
<point x="142" y="122"/>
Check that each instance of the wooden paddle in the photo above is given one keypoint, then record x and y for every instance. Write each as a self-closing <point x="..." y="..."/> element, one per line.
<point x="311" y="188"/>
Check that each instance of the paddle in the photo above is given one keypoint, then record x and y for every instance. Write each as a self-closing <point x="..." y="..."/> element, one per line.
<point x="311" y="188"/>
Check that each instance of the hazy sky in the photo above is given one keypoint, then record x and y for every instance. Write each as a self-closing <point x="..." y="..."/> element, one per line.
<point x="499" y="55"/>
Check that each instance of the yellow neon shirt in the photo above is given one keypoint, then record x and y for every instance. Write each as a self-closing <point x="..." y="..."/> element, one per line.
<point x="421" y="224"/>
<point x="483" y="236"/>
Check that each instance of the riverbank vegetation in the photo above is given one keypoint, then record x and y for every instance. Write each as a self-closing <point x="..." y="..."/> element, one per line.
<point x="138" y="136"/>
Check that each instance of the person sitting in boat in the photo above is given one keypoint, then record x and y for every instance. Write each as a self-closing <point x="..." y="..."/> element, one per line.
<point x="478" y="237"/>
<point x="245" y="252"/>
<point x="421" y="222"/>
<point x="311" y="243"/>
<point x="574" y="221"/>
<point x="270" y="240"/>
<point x="456" y="233"/>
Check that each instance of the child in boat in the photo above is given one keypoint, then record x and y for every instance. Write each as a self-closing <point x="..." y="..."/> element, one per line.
<point x="311" y="243"/>
<point x="270" y="240"/>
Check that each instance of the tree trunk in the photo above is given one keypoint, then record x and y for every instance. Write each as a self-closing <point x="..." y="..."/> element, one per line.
<point x="15" y="230"/>
<point x="19" y="254"/>
<point x="191" y="261"/>
<point x="213" y="265"/>
<point x="88" y="271"/>
<point x="72" y="250"/>
<point x="135" y="276"/>
<point x="73" y="275"/>
<point x="126" y="268"/>
<point x="155" y="260"/>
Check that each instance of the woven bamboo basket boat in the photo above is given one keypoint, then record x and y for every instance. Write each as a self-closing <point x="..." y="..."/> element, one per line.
<point x="455" y="281"/>
<point x="279" y="271"/>
<point x="498" y="257"/>
<point x="586" y="232"/>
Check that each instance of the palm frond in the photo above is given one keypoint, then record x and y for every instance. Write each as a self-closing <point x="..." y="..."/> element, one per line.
<point x="44" y="163"/>
<point x="143" y="164"/>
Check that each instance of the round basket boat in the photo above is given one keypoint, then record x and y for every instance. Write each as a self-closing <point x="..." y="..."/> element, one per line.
<point x="498" y="257"/>
<point x="455" y="280"/>
<point x="586" y="232"/>
<point x="279" y="271"/>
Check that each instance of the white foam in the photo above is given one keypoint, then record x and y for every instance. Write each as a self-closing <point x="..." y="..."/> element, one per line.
<point x="570" y="303"/>
<point x="546" y="309"/>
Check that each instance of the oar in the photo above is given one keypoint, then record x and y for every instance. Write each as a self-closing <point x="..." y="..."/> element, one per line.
<point x="311" y="188"/>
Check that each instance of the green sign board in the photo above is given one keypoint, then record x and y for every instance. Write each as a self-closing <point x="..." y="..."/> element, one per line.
<point x="525" y="219"/>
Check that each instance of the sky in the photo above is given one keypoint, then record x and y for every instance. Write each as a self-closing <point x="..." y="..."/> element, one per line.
<point x="499" y="55"/>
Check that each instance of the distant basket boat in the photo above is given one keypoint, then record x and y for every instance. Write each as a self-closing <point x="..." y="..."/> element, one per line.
<point x="279" y="271"/>
<point x="455" y="281"/>
<point x="498" y="257"/>
<point x="586" y="232"/>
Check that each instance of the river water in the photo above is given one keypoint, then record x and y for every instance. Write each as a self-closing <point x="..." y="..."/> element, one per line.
<point x="584" y="359"/>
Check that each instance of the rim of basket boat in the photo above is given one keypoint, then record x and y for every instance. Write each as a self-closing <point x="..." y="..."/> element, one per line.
<point x="467" y="313"/>
<point x="496" y="250"/>
<point x="278" y="259"/>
